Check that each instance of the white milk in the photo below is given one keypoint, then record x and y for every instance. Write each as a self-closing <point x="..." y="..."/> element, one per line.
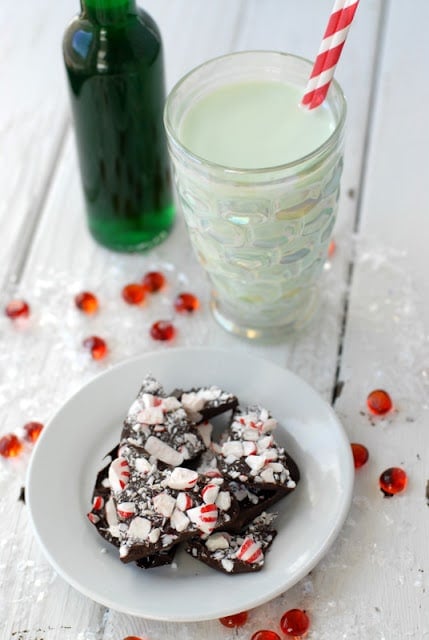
<point x="253" y="125"/>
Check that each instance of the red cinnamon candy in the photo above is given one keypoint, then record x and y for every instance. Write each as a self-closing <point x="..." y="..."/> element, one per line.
<point x="17" y="309"/>
<point x="235" y="620"/>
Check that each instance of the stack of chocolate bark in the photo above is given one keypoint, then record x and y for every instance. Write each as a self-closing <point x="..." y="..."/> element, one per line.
<point x="169" y="482"/>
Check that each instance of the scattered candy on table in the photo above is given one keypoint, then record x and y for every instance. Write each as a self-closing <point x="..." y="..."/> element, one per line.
<point x="265" y="634"/>
<point x="32" y="430"/>
<point x="379" y="402"/>
<point x="186" y="303"/>
<point x="393" y="481"/>
<point x="360" y="454"/>
<point x="134" y="293"/>
<point x="86" y="302"/>
<point x="96" y="346"/>
<point x="163" y="330"/>
<point x="235" y="620"/>
<point x="153" y="281"/>
<point x="16" y="309"/>
<point x="10" y="446"/>
<point x="295" y="623"/>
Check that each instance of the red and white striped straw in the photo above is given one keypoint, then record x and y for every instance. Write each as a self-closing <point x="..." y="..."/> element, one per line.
<point x="329" y="53"/>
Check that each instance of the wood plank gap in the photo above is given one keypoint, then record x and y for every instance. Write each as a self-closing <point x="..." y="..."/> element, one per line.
<point x="31" y="220"/>
<point x="381" y="35"/>
<point x="237" y="26"/>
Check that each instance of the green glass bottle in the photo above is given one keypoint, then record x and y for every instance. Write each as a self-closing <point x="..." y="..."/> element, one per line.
<point x="114" y="63"/>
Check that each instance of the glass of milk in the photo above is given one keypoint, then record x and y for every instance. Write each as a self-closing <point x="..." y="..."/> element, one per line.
<point x="258" y="179"/>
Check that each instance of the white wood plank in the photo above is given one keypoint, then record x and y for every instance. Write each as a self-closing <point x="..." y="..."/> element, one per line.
<point x="193" y="33"/>
<point x="36" y="603"/>
<point x="386" y="339"/>
<point x="32" y="113"/>
<point x="32" y="121"/>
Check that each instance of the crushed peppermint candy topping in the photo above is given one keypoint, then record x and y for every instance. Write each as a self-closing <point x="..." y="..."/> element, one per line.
<point x="209" y="493"/>
<point x="183" y="501"/>
<point x="162" y="451"/>
<point x="220" y="540"/>
<point x="250" y="551"/>
<point x="169" y="501"/>
<point x="249" y="453"/>
<point x="153" y="414"/>
<point x="119" y="474"/>
<point x="204" y="517"/>
<point x="236" y="553"/>
<point x="182" y="478"/>
<point x="126" y="509"/>
<point x="201" y="403"/>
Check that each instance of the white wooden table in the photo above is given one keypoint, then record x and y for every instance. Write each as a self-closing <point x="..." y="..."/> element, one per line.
<point x="370" y="332"/>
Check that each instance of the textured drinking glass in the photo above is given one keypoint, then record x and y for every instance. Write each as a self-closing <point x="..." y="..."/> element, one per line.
<point x="262" y="235"/>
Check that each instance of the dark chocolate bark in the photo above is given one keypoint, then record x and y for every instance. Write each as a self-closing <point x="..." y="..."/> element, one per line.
<point x="158" y="508"/>
<point x="100" y="497"/>
<point x="251" y="502"/>
<point x="205" y="403"/>
<point x="159" y="423"/>
<point x="158" y="560"/>
<point x="168" y="483"/>
<point x="243" y="552"/>
<point x="101" y="516"/>
<point x="249" y="454"/>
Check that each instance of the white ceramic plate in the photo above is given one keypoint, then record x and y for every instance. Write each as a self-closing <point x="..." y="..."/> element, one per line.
<point x="70" y="451"/>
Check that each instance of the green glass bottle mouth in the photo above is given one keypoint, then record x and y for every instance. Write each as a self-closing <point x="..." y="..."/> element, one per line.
<point x="106" y="5"/>
<point x="109" y="12"/>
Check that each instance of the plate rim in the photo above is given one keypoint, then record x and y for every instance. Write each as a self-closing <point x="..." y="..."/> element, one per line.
<point x="104" y="600"/>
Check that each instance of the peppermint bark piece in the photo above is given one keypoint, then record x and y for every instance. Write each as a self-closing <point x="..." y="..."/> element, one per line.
<point x="98" y="516"/>
<point x="103" y="516"/>
<point x="204" y="403"/>
<point x="243" y="552"/>
<point x="158" y="508"/>
<point x="252" y="500"/>
<point x="249" y="454"/>
<point x="160" y="424"/>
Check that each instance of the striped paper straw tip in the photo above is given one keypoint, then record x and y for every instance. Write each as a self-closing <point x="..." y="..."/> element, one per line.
<point x="329" y="53"/>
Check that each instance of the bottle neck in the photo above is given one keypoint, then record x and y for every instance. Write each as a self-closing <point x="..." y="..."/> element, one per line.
<point x="107" y="12"/>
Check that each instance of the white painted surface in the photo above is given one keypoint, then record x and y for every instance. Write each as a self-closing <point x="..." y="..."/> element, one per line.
<point x="373" y="583"/>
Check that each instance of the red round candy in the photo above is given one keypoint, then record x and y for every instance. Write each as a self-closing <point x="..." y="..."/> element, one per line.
<point x="162" y="330"/>
<point x="10" y="446"/>
<point x="32" y="430"/>
<point x="186" y="302"/>
<point x="265" y="634"/>
<point x="295" y="623"/>
<point x="97" y="346"/>
<point x="360" y="454"/>
<point x="134" y="638"/>
<point x="86" y="302"/>
<point x="235" y="620"/>
<point x="379" y="402"/>
<point x="17" y="309"/>
<point x="392" y="481"/>
<point x="134" y="293"/>
<point x="153" y="281"/>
